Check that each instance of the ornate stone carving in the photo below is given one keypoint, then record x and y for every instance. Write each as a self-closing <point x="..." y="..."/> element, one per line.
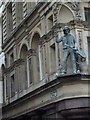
<point x="80" y="39"/>
<point x="55" y="28"/>
<point x="55" y="12"/>
<point x="55" y="17"/>
<point x="75" y="6"/>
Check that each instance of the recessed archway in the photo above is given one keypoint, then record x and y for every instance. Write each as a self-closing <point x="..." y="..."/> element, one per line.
<point x="23" y="52"/>
<point x="35" y="41"/>
<point x="35" y="70"/>
<point x="65" y="14"/>
<point x="23" y="82"/>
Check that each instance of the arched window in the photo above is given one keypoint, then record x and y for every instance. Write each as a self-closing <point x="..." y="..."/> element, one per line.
<point x="34" y="66"/>
<point x="23" y="69"/>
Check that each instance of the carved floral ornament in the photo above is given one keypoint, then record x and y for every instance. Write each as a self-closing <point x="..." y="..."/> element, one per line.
<point x="75" y="6"/>
<point x="57" y="27"/>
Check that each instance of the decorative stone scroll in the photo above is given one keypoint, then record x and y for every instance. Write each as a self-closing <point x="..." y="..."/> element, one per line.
<point x="75" y="6"/>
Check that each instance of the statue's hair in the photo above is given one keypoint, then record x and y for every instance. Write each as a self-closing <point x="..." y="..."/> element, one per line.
<point x="66" y="28"/>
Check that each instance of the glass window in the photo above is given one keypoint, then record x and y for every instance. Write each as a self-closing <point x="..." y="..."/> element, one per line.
<point x="87" y="15"/>
<point x="9" y="19"/>
<point x="12" y="85"/>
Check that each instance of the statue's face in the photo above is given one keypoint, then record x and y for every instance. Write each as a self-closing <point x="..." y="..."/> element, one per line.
<point x="66" y="31"/>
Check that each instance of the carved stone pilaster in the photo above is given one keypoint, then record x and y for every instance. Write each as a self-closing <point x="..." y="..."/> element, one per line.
<point x="56" y="29"/>
<point x="55" y="12"/>
<point x="80" y="39"/>
<point x="55" y="17"/>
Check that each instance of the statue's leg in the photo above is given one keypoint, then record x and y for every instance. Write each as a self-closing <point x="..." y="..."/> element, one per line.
<point x="64" y="67"/>
<point x="74" y="65"/>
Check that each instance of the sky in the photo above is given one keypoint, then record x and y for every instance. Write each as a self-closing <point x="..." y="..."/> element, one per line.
<point x="1" y="53"/>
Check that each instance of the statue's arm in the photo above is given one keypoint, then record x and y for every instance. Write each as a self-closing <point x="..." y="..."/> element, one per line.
<point x="58" y="40"/>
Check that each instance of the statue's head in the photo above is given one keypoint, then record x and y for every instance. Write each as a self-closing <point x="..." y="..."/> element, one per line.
<point x="66" y="30"/>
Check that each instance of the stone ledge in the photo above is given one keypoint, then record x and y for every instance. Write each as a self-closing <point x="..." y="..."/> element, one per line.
<point x="50" y="84"/>
<point x="40" y="97"/>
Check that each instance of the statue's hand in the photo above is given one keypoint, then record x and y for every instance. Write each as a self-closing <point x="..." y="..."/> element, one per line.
<point x="75" y="48"/>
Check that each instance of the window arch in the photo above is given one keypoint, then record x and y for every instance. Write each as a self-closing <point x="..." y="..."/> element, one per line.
<point x="23" y="82"/>
<point x="23" y="52"/>
<point x="65" y="14"/>
<point x="34" y="65"/>
<point x="35" y="41"/>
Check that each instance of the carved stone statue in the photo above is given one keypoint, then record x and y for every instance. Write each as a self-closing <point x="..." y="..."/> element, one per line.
<point x="70" y="48"/>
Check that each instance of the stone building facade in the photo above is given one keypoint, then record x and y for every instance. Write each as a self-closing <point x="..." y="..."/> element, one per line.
<point x="32" y="58"/>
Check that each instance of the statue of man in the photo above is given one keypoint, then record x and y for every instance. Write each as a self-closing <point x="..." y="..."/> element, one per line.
<point x="69" y="47"/>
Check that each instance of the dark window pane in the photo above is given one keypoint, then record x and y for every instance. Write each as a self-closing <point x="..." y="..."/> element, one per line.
<point x="87" y="14"/>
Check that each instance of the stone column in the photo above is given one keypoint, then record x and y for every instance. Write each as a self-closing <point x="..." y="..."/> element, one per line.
<point x="56" y="31"/>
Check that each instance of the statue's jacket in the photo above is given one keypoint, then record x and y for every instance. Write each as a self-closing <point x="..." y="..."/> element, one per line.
<point x="68" y="41"/>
